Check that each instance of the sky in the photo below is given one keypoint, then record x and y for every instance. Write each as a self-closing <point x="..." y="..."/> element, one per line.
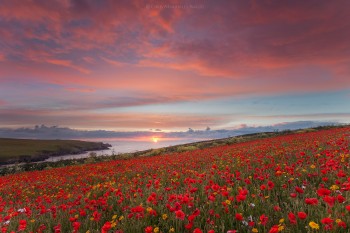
<point x="131" y="65"/>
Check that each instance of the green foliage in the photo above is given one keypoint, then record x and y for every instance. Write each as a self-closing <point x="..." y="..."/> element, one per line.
<point x="28" y="150"/>
<point x="186" y="148"/>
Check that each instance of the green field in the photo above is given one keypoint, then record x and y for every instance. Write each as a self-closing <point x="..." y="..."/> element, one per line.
<point x="28" y="150"/>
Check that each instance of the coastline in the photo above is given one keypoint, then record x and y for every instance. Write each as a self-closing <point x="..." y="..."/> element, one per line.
<point x="44" y="149"/>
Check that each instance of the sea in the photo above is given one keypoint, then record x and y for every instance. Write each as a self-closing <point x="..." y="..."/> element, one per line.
<point x="128" y="145"/>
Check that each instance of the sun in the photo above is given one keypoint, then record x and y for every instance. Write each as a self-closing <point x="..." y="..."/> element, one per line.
<point x="154" y="139"/>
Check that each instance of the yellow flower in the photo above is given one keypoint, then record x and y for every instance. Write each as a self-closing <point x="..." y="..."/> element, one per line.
<point x="164" y="216"/>
<point x="172" y="230"/>
<point x="113" y="224"/>
<point x="149" y="209"/>
<point x="114" y="216"/>
<point x="334" y="187"/>
<point x="255" y="230"/>
<point x="156" y="230"/>
<point x="88" y="231"/>
<point x="33" y="220"/>
<point x="280" y="228"/>
<point x="314" y="225"/>
<point x="338" y="220"/>
<point x="228" y="202"/>
<point x="281" y="220"/>
<point x="121" y="218"/>
<point x="312" y="166"/>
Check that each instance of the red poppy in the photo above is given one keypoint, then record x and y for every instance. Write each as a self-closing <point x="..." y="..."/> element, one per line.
<point x="106" y="227"/>
<point x="239" y="217"/>
<point x="299" y="190"/>
<point x="327" y="221"/>
<point x="292" y="218"/>
<point x="149" y="229"/>
<point x="274" y="229"/>
<point x="340" y="198"/>
<point x="311" y="201"/>
<point x="263" y="219"/>
<point x="323" y="192"/>
<point x="302" y="215"/>
<point x="197" y="230"/>
<point x="180" y="214"/>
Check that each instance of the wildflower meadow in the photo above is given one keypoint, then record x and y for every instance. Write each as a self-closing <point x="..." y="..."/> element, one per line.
<point x="291" y="183"/>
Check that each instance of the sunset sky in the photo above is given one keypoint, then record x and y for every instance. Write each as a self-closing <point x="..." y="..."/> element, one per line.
<point x="132" y="65"/>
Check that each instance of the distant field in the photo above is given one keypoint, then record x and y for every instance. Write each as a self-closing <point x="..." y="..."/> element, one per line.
<point x="25" y="150"/>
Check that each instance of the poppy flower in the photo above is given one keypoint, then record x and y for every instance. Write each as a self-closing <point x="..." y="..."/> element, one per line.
<point x="327" y="221"/>
<point x="292" y="218"/>
<point x="180" y="214"/>
<point x="149" y="229"/>
<point x="311" y="201"/>
<point x="274" y="229"/>
<point x="263" y="219"/>
<point x="197" y="230"/>
<point x="302" y="215"/>
<point x="106" y="227"/>
<point x="323" y="192"/>
<point x="239" y="217"/>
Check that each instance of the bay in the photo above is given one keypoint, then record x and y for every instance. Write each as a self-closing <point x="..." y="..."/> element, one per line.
<point x="129" y="145"/>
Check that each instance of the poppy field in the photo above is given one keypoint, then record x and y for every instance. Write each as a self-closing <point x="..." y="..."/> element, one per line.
<point x="292" y="183"/>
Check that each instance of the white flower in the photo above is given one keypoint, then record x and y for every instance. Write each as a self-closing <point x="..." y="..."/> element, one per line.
<point x="21" y="210"/>
<point x="6" y="223"/>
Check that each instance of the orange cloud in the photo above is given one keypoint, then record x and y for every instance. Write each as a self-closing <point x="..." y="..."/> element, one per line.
<point x="68" y="64"/>
<point x="135" y="121"/>
<point x="116" y="54"/>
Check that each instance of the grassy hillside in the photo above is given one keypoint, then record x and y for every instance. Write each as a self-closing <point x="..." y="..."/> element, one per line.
<point x="25" y="150"/>
<point x="292" y="182"/>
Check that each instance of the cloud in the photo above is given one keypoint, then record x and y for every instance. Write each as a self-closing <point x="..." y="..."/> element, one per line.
<point x="56" y="132"/>
<point x="114" y="63"/>
<point x="95" y="120"/>
<point x="248" y="41"/>
<point x="85" y="90"/>
<point x="113" y="55"/>
<point x="69" y="64"/>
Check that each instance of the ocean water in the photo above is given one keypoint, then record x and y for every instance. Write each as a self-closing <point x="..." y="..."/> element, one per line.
<point x="126" y="146"/>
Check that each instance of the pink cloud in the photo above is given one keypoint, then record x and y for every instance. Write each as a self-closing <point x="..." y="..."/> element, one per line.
<point x="85" y="90"/>
<point x="67" y="63"/>
<point x="113" y="62"/>
<point x="135" y="121"/>
<point x="154" y="56"/>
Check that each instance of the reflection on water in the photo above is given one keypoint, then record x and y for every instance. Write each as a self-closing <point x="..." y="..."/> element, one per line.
<point x="126" y="146"/>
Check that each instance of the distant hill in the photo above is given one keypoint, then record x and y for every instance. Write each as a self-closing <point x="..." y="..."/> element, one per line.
<point x="30" y="150"/>
<point x="55" y="132"/>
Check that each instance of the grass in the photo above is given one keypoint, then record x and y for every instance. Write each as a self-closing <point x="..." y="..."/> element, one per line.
<point x="4" y="170"/>
<point x="290" y="182"/>
<point x="20" y="150"/>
